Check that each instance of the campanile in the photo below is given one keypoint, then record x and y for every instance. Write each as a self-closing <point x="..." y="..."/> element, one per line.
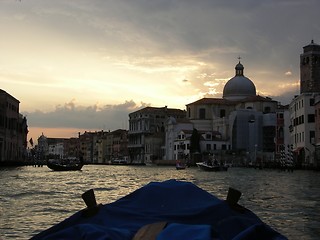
<point x="310" y="68"/>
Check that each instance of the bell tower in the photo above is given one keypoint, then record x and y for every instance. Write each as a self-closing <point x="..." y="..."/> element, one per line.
<point x="310" y="68"/>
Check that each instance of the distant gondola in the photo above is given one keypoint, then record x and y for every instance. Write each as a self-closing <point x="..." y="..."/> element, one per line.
<point x="65" y="165"/>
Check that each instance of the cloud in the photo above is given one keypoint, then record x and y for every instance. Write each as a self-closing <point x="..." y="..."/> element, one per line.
<point x="71" y="115"/>
<point x="286" y="97"/>
<point x="168" y="50"/>
<point x="288" y="73"/>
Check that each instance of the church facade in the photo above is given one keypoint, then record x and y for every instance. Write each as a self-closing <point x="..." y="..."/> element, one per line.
<point x="244" y="119"/>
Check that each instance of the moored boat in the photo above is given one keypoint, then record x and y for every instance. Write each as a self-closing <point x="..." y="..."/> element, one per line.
<point x="163" y="210"/>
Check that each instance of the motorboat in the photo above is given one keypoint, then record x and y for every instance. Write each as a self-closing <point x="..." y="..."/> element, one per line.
<point x="212" y="167"/>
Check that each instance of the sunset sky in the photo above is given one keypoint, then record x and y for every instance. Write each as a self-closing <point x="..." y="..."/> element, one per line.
<point x="79" y="65"/>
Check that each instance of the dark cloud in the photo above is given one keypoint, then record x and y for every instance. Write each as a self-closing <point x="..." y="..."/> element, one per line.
<point x="286" y="97"/>
<point x="268" y="35"/>
<point x="69" y="115"/>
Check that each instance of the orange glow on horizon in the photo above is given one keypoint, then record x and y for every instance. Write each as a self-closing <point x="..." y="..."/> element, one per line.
<point x="36" y="132"/>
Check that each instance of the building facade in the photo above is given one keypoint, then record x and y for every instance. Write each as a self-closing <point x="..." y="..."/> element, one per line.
<point x="317" y="132"/>
<point x="13" y="130"/>
<point x="302" y="109"/>
<point x="147" y="132"/>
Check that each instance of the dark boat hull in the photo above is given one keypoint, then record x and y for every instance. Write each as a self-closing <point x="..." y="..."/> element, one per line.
<point x="212" y="168"/>
<point x="64" y="167"/>
<point x="180" y="167"/>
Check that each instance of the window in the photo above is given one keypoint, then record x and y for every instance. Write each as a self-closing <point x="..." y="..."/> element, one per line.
<point x="310" y="118"/>
<point x="281" y="132"/>
<point x="312" y="135"/>
<point x="208" y="147"/>
<point x="222" y="113"/>
<point x="202" y="113"/>
<point x="311" y="101"/>
<point x="208" y="136"/>
<point x="267" y="109"/>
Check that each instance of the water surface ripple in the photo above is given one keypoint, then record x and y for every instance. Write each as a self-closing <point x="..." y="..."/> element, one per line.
<point x="34" y="198"/>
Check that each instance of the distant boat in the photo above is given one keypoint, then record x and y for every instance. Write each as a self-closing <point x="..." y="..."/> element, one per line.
<point x="212" y="167"/>
<point x="69" y="164"/>
<point x="119" y="162"/>
<point x="180" y="165"/>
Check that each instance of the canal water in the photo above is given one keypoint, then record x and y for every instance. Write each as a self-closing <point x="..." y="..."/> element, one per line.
<point x="34" y="198"/>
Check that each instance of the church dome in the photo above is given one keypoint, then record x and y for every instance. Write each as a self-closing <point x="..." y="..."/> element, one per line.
<point x="239" y="87"/>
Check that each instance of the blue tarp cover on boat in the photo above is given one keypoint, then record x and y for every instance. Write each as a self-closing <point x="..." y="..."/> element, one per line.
<point x="190" y="212"/>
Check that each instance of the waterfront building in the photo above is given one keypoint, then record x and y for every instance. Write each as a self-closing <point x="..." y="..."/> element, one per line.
<point x="71" y="147"/>
<point x="120" y="144"/>
<point x="101" y="147"/>
<point x="284" y="154"/>
<point x="147" y="132"/>
<point x="13" y="131"/>
<point x="317" y="132"/>
<point x="42" y="148"/>
<point x="86" y="146"/>
<point x="109" y="148"/>
<point x="243" y="119"/>
<point x="56" y="150"/>
<point x="49" y="148"/>
<point x="177" y="133"/>
<point x="97" y="147"/>
<point x="302" y="108"/>
<point x="302" y="129"/>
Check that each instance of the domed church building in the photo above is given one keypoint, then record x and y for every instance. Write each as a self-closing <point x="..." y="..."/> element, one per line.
<point x="242" y="118"/>
<point x="239" y="87"/>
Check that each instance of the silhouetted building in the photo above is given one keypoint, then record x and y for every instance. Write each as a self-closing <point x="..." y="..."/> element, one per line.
<point x="13" y="130"/>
